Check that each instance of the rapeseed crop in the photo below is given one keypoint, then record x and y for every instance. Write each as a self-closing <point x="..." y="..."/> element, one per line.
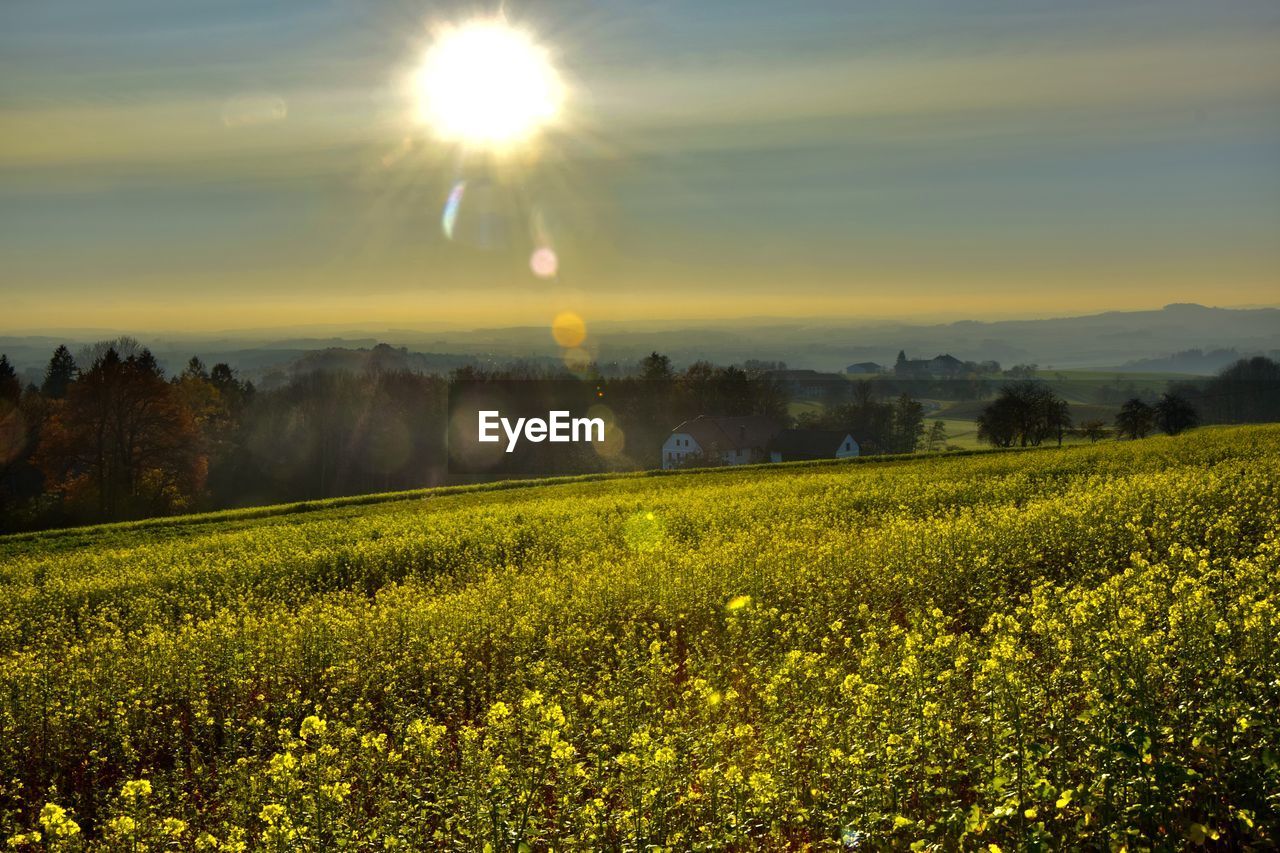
<point x="1074" y="648"/>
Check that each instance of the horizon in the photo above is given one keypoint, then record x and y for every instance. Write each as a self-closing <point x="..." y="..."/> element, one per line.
<point x="398" y="327"/>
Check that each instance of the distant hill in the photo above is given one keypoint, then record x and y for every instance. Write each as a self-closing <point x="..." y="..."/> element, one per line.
<point x="1151" y="341"/>
<point x="1187" y="361"/>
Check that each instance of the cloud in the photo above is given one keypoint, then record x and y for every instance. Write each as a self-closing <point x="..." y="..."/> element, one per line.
<point x="250" y="110"/>
<point x="1033" y="79"/>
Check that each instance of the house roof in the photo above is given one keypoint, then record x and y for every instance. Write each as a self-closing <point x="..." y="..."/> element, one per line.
<point x="808" y="443"/>
<point x="738" y="433"/>
<point x="939" y="363"/>
<point x="801" y="375"/>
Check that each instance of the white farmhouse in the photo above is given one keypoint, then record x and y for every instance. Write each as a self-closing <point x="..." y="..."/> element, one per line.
<point x="719" y="441"/>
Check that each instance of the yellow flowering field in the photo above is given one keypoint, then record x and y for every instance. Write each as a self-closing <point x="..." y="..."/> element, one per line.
<point x="1062" y="648"/>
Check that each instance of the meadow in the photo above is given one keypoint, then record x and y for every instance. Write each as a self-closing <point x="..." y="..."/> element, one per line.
<point x="1074" y="647"/>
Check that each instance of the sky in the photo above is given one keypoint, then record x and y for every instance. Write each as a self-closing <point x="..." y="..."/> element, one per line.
<point x="226" y="164"/>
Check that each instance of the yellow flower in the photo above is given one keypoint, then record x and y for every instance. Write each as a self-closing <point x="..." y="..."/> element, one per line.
<point x="271" y="813"/>
<point x="55" y="821"/>
<point x="312" y="725"/>
<point x="123" y="825"/>
<point x="137" y="788"/>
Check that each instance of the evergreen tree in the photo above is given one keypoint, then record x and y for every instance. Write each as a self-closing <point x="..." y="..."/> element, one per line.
<point x="195" y="369"/>
<point x="59" y="375"/>
<point x="10" y="387"/>
<point x="656" y="366"/>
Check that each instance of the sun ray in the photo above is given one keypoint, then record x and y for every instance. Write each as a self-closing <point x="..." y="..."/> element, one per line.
<point x="487" y="84"/>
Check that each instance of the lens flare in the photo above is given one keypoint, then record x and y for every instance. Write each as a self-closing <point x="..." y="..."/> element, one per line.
<point x="615" y="442"/>
<point x="577" y="360"/>
<point x="568" y="329"/>
<point x="453" y="204"/>
<point x="644" y="531"/>
<point x="544" y="262"/>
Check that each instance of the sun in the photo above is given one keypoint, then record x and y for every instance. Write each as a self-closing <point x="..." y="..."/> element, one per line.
<point x="486" y="83"/>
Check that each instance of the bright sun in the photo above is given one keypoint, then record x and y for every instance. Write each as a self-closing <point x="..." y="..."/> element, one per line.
<point x="486" y="83"/>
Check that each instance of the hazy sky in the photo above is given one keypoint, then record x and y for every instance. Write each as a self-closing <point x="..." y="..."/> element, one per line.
<point x="234" y="163"/>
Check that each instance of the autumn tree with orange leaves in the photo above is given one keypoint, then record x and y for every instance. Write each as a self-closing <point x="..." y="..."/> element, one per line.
<point x="123" y="443"/>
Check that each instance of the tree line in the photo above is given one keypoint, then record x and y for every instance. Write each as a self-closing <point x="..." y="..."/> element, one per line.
<point x="1028" y="413"/>
<point x="108" y="436"/>
<point x="117" y="439"/>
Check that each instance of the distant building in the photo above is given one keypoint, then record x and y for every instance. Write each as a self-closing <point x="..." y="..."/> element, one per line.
<point x="804" y="382"/>
<point x="864" y="368"/>
<point x="946" y="364"/>
<point x="938" y="366"/>
<point x="719" y="441"/>
<point x="747" y="440"/>
<point x="795" y="445"/>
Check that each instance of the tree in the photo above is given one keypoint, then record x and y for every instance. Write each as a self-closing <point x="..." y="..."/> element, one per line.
<point x="123" y="444"/>
<point x="12" y="423"/>
<point x="656" y="366"/>
<point x="998" y="423"/>
<point x="1135" y="419"/>
<point x="124" y="347"/>
<point x="1024" y="413"/>
<point x="59" y="375"/>
<point x="937" y="437"/>
<point x="233" y="391"/>
<point x="1057" y="416"/>
<point x="908" y="424"/>
<point x="1247" y="391"/>
<point x="195" y="369"/>
<point x="869" y="420"/>
<point x="1173" y="414"/>
<point x="1093" y="430"/>
<point x="10" y="387"/>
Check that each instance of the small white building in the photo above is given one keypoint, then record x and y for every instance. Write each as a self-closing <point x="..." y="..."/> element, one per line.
<point x="706" y="441"/>
<point x="719" y="441"/>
